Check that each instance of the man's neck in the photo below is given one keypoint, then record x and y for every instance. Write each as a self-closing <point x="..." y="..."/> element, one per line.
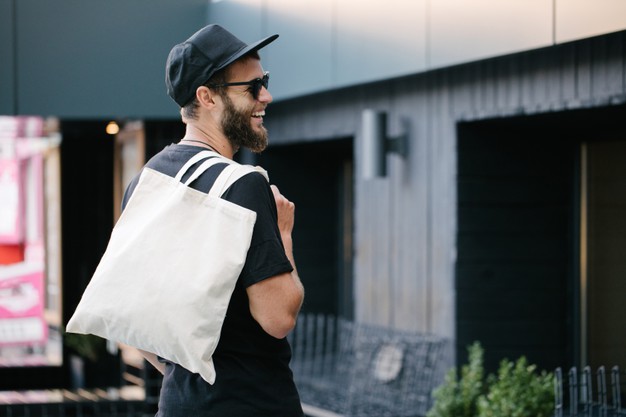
<point x="197" y="135"/>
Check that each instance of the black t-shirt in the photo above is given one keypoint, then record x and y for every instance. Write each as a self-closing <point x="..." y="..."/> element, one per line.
<point x="253" y="377"/>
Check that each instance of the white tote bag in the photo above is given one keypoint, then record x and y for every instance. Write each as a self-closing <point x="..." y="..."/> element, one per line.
<point x="165" y="280"/>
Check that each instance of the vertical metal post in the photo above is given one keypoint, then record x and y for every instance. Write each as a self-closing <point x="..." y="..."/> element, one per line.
<point x="586" y="391"/>
<point x="573" y="391"/>
<point x="584" y="313"/>
<point x="602" y="391"/>
<point x="558" y="393"/>
<point x="616" y="389"/>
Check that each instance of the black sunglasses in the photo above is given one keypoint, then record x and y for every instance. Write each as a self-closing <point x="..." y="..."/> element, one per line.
<point x="255" y="85"/>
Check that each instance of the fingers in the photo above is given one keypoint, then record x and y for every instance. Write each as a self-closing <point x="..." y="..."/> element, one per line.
<point x="281" y="200"/>
<point x="275" y="191"/>
<point x="285" y="210"/>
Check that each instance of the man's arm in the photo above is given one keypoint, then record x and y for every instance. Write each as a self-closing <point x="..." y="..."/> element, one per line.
<point x="276" y="301"/>
<point x="154" y="361"/>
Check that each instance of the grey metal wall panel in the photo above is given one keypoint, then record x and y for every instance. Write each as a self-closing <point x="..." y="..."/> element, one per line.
<point x="86" y="59"/>
<point x="442" y="199"/>
<point x="410" y="209"/>
<point x="7" y="58"/>
<point x="378" y="40"/>
<point x="373" y="280"/>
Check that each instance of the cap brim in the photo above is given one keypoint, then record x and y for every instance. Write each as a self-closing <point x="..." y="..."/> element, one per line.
<point x="250" y="48"/>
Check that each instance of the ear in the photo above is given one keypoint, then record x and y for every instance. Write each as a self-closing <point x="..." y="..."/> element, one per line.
<point x="205" y="97"/>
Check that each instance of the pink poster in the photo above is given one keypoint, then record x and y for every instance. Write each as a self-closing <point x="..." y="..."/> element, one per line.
<point x="21" y="309"/>
<point x="11" y="202"/>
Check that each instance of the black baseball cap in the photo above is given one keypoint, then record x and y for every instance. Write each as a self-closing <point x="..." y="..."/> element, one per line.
<point x="190" y="64"/>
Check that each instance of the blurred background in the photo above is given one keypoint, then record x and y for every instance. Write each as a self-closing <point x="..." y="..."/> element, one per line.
<point x="483" y="201"/>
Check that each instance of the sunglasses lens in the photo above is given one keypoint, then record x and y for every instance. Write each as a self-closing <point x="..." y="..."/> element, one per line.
<point x="258" y="84"/>
<point x="256" y="88"/>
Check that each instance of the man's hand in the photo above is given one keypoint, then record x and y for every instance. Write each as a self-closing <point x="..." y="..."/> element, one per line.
<point x="286" y="212"/>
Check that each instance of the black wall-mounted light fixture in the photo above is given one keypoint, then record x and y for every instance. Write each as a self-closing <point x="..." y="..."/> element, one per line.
<point x="376" y="143"/>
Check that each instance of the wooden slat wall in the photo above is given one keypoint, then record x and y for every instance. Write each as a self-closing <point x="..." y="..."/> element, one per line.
<point x="405" y="224"/>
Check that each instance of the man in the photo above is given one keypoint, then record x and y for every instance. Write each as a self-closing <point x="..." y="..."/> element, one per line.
<point x="219" y="83"/>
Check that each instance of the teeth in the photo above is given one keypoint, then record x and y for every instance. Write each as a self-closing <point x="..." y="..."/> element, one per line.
<point x="259" y="114"/>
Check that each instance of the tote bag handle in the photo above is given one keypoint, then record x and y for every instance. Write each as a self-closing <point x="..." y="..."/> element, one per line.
<point x="227" y="177"/>
<point x="196" y="158"/>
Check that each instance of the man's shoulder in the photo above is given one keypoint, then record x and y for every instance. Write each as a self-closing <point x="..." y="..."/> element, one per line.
<point x="171" y="158"/>
<point x="251" y="183"/>
<point x="251" y="190"/>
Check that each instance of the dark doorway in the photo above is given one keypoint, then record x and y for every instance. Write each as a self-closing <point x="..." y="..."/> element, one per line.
<point x="318" y="178"/>
<point x="534" y="226"/>
<point x="514" y="245"/>
<point x="604" y="242"/>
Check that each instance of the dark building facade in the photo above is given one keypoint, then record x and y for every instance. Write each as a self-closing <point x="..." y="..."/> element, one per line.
<point x="503" y="223"/>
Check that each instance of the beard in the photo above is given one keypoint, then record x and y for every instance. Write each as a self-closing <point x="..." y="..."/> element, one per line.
<point x="238" y="130"/>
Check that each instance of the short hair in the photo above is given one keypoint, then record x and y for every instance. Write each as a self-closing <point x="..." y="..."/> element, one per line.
<point x="190" y="110"/>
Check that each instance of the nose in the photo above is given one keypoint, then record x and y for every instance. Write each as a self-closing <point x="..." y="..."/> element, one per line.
<point x="265" y="96"/>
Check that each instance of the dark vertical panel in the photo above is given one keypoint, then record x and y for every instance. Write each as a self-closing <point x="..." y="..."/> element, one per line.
<point x="488" y="86"/>
<point x="623" y="55"/>
<point x="617" y="45"/>
<point x="161" y="133"/>
<point x="513" y="255"/>
<point x="550" y="60"/>
<point x="608" y="65"/>
<point x="509" y="85"/>
<point x="476" y="93"/>
<point x="345" y="238"/>
<point x="568" y="75"/>
<point x="87" y="201"/>
<point x="462" y="104"/>
<point x="606" y="249"/>
<point x="584" y="88"/>
<point x="527" y="79"/>
<point x="7" y="62"/>
<point x="599" y="67"/>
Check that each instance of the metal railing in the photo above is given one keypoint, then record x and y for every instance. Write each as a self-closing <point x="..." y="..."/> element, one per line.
<point x="580" y="397"/>
<point x="355" y="369"/>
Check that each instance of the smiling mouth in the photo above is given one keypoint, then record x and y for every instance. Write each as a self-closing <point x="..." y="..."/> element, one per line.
<point x="258" y="115"/>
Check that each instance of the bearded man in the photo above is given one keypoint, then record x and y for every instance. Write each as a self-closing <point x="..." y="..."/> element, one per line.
<point x="221" y="88"/>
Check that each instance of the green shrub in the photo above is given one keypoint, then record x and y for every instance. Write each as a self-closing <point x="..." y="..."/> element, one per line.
<point x="458" y="397"/>
<point x="518" y="391"/>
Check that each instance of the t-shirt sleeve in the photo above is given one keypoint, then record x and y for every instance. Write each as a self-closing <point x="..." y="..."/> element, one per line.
<point x="266" y="256"/>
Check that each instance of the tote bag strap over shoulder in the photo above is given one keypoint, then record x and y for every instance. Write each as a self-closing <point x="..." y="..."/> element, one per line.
<point x="203" y="167"/>
<point x="197" y="158"/>
<point x="230" y="175"/>
<point x="227" y="177"/>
